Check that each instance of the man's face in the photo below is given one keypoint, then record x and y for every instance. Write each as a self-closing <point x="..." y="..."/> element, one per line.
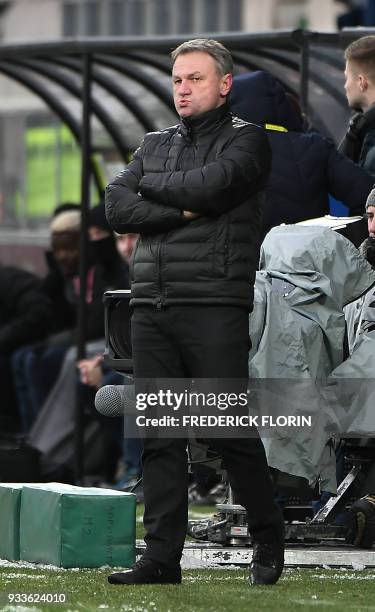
<point x="352" y="86"/>
<point x="65" y="247"/>
<point x="370" y="221"/>
<point x="197" y="85"/>
<point x="97" y="233"/>
<point x="125" y="244"/>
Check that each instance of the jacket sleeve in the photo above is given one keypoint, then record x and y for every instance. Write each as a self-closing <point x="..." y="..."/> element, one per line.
<point x="347" y="181"/>
<point x="128" y="211"/>
<point x="219" y="186"/>
<point x="31" y="312"/>
<point x="369" y="163"/>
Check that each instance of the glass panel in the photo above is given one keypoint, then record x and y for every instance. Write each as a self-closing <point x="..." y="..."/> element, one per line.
<point x="92" y="18"/>
<point x="70" y="19"/>
<point x="233" y="21"/>
<point x="210" y="15"/>
<point x="135" y="17"/>
<point x="185" y="12"/>
<point x="117" y="18"/>
<point x="161" y="16"/>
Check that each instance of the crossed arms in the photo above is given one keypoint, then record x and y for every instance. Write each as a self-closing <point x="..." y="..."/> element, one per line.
<point x="155" y="202"/>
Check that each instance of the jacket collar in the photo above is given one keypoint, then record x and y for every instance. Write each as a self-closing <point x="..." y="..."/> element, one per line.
<point x="361" y="122"/>
<point x="205" y="122"/>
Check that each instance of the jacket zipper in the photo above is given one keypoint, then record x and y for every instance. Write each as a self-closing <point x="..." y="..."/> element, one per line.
<point x="226" y="258"/>
<point x="159" y="299"/>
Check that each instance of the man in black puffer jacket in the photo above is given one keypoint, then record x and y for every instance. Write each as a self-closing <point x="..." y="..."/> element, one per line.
<point x="194" y="192"/>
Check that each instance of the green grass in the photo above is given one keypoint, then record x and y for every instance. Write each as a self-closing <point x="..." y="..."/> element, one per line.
<point x="208" y="590"/>
<point x="211" y="590"/>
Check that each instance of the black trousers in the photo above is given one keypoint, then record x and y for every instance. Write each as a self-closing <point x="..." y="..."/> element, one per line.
<point x="197" y="341"/>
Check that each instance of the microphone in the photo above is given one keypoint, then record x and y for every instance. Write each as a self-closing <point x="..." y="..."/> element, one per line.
<point x="113" y="400"/>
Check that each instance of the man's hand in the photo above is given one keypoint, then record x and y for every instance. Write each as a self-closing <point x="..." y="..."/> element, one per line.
<point x="91" y="373"/>
<point x="189" y="216"/>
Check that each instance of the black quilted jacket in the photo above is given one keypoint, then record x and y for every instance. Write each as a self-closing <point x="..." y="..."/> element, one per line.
<point x="213" y="164"/>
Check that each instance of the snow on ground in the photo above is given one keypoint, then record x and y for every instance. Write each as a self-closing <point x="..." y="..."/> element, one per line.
<point x="189" y="562"/>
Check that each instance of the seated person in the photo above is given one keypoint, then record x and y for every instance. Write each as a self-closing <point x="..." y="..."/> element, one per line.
<point x="94" y="374"/>
<point x="36" y="368"/>
<point x="52" y="432"/>
<point x="361" y="522"/>
<point x="25" y="314"/>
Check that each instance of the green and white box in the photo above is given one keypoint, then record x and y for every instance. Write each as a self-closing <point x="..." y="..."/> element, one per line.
<point x="10" y="502"/>
<point x="70" y="526"/>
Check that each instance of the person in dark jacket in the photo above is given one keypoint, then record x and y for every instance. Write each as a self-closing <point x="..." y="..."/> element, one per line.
<point x="360" y="522"/>
<point x="306" y="167"/>
<point x="111" y="267"/>
<point x="105" y="271"/>
<point x="359" y="141"/>
<point x="52" y="432"/>
<point x="25" y="313"/>
<point x="194" y="193"/>
<point x="36" y="368"/>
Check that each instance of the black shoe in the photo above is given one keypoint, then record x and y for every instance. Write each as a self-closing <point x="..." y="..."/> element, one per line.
<point x="267" y="562"/>
<point x="361" y="523"/>
<point x="146" y="571"/>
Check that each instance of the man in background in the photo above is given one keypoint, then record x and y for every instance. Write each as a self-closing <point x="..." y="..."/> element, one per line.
<point x="360" y="321"/>
<point x="25" y="315"/>
<point x="359" y="141"/>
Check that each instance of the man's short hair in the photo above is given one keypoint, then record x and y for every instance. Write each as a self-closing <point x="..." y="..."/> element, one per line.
<point x="221" y="55"/>
<point x="362" y="53"/>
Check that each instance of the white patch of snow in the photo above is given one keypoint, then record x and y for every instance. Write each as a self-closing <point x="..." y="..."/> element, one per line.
<point x="358" y="566"/>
